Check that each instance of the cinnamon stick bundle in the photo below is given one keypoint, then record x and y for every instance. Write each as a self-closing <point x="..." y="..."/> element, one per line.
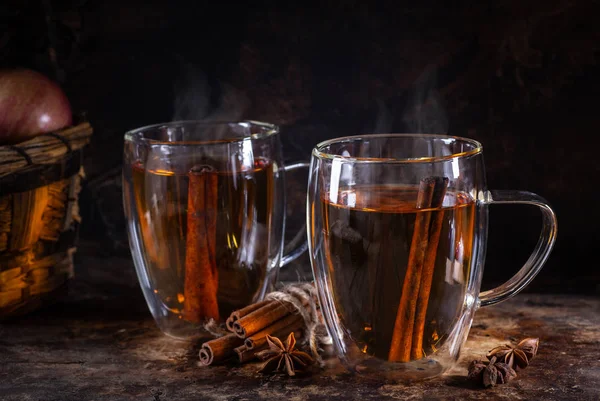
<point x="261" y="318"/>
<point x="281" y="328"/>
<point x="245" y="355"/>
<point x="272" y="317"/>
<point x="240" y="313"/>
<point x="219" y="349"/>
<point x="201" y="276"/>
<point x="421" y="253"/>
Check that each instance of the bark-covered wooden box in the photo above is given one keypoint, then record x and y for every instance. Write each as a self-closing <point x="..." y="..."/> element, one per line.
<point x="40" y="180"/>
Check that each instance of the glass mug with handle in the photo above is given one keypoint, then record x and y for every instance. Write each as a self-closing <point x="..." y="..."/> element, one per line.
<point x="397" y="228"/>
<point x="205" y="208"/>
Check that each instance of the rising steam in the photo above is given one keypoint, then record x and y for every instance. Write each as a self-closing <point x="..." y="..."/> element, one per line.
<point x="425" y="111"/>
<point x="193" y="93"/>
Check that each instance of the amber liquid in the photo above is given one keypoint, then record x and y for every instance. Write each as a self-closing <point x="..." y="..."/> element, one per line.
<point x="368" y="235"/>
<point x="242" y="235"/>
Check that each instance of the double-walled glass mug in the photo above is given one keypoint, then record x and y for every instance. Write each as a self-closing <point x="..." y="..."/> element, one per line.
<point x="397" y="227"/>
<point x="205" y="208"/>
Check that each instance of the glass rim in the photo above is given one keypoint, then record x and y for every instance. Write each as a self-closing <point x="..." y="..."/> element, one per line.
<point x="319" y="153"/>
<point x="267" y="130"/>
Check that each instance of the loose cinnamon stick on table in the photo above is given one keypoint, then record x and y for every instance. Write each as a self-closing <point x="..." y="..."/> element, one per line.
<point x="201" y="276"/>
<point x="401" y="345"/>
<point x="219" y="349"/>
<point x="437" y="218"/>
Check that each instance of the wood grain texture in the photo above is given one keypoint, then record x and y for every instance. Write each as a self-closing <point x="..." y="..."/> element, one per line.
<point x="101" y="344"/>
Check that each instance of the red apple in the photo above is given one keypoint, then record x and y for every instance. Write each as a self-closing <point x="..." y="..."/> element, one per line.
<point x="30" y="104"/>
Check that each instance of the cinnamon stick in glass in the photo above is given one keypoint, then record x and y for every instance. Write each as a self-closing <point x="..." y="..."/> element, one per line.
<point x="401" y="344"/>
<point x="219" y="349"/>
<point x="437" y="218"/>
<point x="201" y="276"/>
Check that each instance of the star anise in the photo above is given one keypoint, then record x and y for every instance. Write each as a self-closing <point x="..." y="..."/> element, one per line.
<point x="529" y="346"/>
<point x="491" y="372"/>
<point x="283" y="358"/>
<point x="516" y="357"/>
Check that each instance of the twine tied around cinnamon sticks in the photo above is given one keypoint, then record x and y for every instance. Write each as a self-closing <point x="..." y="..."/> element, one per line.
<point x="304" y="298"/>
<point x="294" y="308"/>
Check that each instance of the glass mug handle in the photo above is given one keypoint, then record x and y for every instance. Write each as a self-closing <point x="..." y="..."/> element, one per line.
<point x="298" y="245"/>
<point x="539" y="255"/>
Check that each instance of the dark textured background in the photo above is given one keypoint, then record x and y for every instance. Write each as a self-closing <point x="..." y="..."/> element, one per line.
<point x="521" y="77"/>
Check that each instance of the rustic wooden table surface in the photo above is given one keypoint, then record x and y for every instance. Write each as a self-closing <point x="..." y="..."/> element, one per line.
<point x="100" y="343"/>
